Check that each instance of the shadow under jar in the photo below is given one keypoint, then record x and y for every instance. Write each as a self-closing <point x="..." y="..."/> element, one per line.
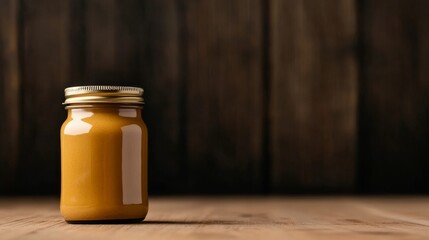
<point x="104" y="155"/>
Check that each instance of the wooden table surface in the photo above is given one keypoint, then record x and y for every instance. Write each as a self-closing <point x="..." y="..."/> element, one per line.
<point x="232" y="218"/>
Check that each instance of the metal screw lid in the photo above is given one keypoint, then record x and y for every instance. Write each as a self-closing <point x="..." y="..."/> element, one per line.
<point x="103" y="94"/>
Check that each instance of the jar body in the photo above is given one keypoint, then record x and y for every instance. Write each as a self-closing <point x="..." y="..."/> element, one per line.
<point x="104" y="164"/>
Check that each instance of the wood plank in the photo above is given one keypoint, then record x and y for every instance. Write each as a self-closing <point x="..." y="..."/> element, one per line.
<point x="45" y="72"/>
<point x="162" y="80"/>
<point x="233" y="218"/>
<point x="394" y="95"/>
<point x="313" y="95"/>
<point x="9" y="94"/>
<point x="224" y="112"/>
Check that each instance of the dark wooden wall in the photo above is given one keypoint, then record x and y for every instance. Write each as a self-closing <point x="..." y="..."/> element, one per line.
<point x="246" y="96"/>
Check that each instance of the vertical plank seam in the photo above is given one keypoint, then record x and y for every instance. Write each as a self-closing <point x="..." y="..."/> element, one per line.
<point x="182" y="95"/>
<point x="22" y="74"/>
<point x="266" y="103"/>
<point x="360" y="55"/>
<point x="17" y="98"/>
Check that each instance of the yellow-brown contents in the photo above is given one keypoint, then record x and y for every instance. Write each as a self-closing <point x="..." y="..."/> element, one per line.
<point x="103" y="163"/>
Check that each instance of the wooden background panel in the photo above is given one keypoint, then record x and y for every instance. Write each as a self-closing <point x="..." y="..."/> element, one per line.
<point x="9" y="94"/>
<point x="313" y="95"/>
<point x="394" y="112"/>
<point x="45" y="72"/>
<point x="240" y="94"/>
<point x="223" y="95"/>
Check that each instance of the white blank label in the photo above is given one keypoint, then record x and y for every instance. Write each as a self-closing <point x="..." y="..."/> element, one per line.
<point x="131" y="164"/>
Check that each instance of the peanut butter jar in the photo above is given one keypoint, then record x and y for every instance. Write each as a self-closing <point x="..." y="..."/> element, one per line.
<point x="104" y="155"/>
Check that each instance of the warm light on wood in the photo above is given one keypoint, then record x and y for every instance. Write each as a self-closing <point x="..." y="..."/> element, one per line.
<point x="233" y="218"/>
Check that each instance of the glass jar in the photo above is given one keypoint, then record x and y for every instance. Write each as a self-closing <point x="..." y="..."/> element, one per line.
<point x="104" y="155"/>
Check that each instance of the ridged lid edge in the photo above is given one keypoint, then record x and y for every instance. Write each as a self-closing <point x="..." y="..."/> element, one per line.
<point x="103" y="94"/>
<point x="80" y="90"/>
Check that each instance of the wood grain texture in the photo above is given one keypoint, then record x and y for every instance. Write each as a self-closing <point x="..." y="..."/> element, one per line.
<point x="162" y="79"/>
<point x="223" y="75"/>
<point x="308" y="218"/>
<point x="394" y="112"/>
<point x="9" y="94"/>
<point x="45" y="73"/>
<point x="313" y="95"/>
<point x="112" y="42"/>
<point x="242" y="96"/>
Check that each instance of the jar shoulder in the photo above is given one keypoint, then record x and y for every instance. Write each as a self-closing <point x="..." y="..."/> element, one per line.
<point x="90" y="125"/>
